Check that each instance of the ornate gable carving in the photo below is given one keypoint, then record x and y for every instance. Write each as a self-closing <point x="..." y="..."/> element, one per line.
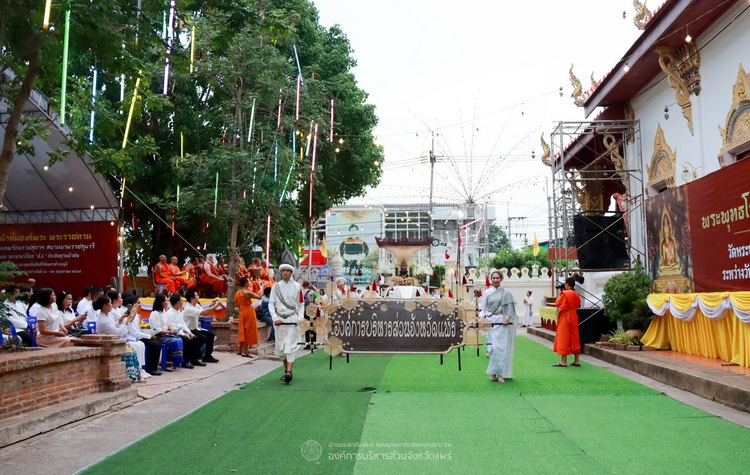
<point x="682" y="67"/>
<point x="736" y="131"/>
<point x="661" y="171"/>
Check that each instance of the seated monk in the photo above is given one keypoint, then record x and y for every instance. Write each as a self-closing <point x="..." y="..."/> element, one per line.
<point x="190" y="269"/>
<point x="265" y="275"/>
<point x="212" y="276"/>
<point x="183" y="278"/>
<point x="163" y="275"/>
<point x="242" y="271"/>
<point x="223" y="269"/>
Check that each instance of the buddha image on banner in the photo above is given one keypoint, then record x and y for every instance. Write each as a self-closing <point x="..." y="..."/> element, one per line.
<point x="669" y="242"/>
<point x="350" y="238"/>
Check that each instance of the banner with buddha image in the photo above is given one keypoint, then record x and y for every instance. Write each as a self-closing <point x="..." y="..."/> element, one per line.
<point x="699" y="234"/>
<point x="669" y="242"/>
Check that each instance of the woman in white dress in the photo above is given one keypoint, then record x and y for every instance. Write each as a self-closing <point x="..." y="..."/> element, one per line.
<point x="528" y="310"/>
<point x="499" y="308"/>
<point x="52" y="330"/>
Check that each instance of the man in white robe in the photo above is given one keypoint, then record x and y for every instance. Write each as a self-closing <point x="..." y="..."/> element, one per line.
<point x="287" y="306"/>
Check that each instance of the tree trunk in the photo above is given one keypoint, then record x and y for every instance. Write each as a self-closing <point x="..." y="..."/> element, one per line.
<point x="14" y="121"/>
<point x="234" y="257"/>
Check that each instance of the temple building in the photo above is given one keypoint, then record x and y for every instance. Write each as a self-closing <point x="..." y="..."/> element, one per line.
<point x="660" y="175"/>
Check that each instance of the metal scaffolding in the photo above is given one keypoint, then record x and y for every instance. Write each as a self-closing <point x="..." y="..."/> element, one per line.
<point x="589" y="160"/>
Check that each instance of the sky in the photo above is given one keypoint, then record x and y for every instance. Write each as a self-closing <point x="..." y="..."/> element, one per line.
<point x="484" y="77"/>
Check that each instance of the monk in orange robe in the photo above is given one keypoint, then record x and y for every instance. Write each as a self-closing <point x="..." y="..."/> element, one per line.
<point x="163" y="275"/>
<point x="182" y="279"/>
<point x="265" y="275"/>
<point x="247" y="321"/>
<point x="190" y="269"/>
<point x="211" y="275"/>
<point x="567" y="340"/>
<point x="242" y="271"/>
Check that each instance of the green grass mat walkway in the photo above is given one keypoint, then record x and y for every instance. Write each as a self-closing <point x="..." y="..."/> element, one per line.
<point x="408" y="414"/>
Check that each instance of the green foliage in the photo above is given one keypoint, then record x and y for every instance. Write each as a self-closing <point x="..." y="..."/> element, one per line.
<point x="243" y="55"/>
<point x="438" y="273"/>
<point x="519" y="258"/>
<point x="625" y="299"/>
<point x="497" y="238"/>
<point x="622" y="337"/>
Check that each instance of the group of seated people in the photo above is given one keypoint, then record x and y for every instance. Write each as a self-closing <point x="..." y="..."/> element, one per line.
<point x="208" y="275"/>
<point x="109" y="312"/>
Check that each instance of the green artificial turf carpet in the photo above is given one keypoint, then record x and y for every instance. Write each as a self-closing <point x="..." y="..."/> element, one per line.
<point x="409" y="414"/>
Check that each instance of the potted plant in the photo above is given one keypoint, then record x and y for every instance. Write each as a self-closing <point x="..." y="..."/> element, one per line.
<point x="620" y="339"/>
<point x="625" y="300"/>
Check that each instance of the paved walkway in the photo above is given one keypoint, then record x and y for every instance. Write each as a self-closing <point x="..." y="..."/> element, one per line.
<point x="169" y="397"/>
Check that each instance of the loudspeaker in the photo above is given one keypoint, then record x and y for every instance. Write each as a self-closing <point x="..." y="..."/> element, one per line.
<point x="592" y="324"/>
<point x="600" y="241"/>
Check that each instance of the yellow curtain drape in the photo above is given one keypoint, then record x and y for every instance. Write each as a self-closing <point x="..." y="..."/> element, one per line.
<point x="741" y="300"/>
<point x="727" y="339"/>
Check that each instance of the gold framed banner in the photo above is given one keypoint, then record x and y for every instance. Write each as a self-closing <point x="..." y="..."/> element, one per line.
<point x="397" y="326"/>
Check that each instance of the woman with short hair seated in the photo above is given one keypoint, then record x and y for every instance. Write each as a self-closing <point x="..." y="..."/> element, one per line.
<point x="53" y="333"/>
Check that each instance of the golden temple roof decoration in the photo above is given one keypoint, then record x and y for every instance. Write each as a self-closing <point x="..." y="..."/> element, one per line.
<point x="673" y="62"/>
<point x="642" y="15"/>
<point x="661" y="171"/>
<point x="736" y="132"/>
<point x="579" y="97"/>
<point x="546" y="155"/>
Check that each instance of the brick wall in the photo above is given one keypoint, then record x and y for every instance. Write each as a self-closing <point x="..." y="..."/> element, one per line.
<point x="39" y="378"/>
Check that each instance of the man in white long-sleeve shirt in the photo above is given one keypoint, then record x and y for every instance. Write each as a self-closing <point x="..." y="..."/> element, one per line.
<point x="191" y="343"/>
<point x="86" y="304"/>
<point x="192" y="312"/>
<point x="287" y="307"/>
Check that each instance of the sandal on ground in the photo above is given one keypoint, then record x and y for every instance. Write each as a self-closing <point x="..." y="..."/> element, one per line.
<point x="575" y="364"/>
<point x="500" y="379"/>
<point x="247" y="355"/>
<point x="560" y="365"/>
<point x="493" y="377"/>
<point x="287" y="377"/>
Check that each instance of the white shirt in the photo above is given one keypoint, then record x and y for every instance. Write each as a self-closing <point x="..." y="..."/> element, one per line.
<point x="68" y="314"/>
<point x="34" y="309"/>
<point x="107" y="325"/>
<point x="168" y="321"/>
<point x="84" y="306"/>
<point x="17" y="318"/>
<point x="135" y="332"/>
<point x="21" y="307"/>
<point x="291" y="292"/>
<point x="191" y="314"/>
<point x="51" y="318"/>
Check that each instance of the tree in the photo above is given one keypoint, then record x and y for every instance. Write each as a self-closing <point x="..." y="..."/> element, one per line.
<point x="497" y="239"/>
<point x="509" y="258"/>
<point x="243" y="55"/>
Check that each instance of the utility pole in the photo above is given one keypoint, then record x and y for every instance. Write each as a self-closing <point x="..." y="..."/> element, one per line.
<point x="433" y="159"/>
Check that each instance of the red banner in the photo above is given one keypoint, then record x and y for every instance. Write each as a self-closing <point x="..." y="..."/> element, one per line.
<point x="699" y="234"/>
<point x="63" y="256"/>
<point x="720" y="227"/>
